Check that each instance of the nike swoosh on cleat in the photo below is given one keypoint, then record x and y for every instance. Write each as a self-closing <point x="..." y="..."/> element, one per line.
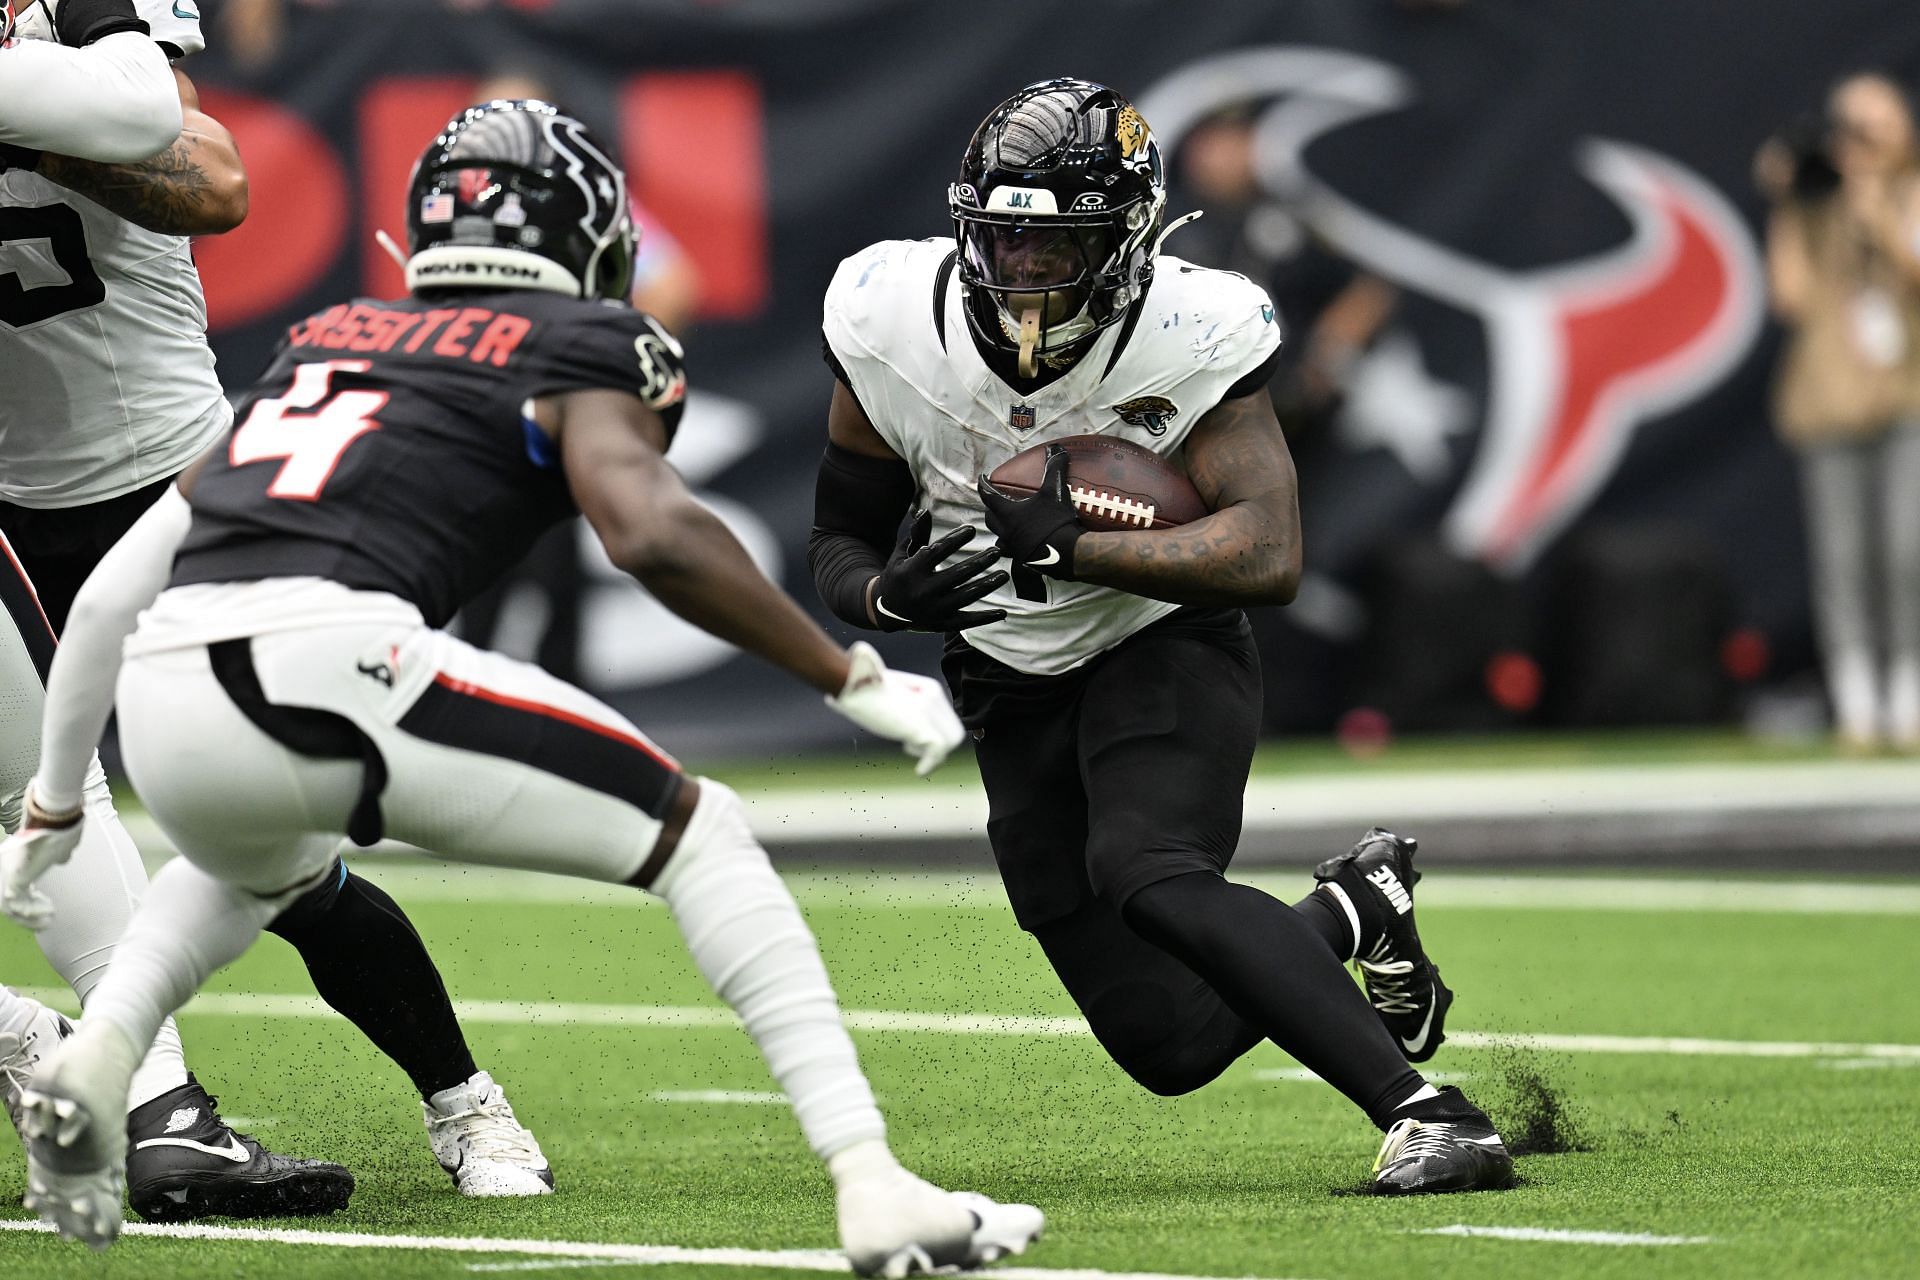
<point x="880" y="606"/>
<point x="1053" y="557"/>
<point x="232" y="1151"/>
<point x="1419" y="1041"/>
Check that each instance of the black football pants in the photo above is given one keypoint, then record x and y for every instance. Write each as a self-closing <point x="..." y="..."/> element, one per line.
<point x="1116" y="795"/>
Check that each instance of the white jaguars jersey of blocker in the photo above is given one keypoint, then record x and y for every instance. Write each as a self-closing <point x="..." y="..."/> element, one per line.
<point x="938" y="405"/>
<point x="106" y="380"/>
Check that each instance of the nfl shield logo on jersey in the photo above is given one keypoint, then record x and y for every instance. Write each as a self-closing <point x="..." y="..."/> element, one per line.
<point x="1020" y="417"/>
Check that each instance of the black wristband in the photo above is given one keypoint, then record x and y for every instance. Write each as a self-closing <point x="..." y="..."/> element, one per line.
<point x="13" y="157"/>
<point x="79" y="23"/>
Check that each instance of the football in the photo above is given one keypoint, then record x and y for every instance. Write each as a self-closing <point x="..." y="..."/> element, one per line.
<point x="1115" y="485"/>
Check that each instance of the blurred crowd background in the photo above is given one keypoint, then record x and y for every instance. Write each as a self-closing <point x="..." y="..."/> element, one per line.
<point x="1603" y="320"/>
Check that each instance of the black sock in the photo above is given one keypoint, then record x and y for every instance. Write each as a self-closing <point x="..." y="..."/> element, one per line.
<point x="1326" y="918"/>
<point x="1269" y="965"/>
<point x="369" y="964"/>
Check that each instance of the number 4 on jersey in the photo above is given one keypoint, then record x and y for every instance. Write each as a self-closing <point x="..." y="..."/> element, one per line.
<point x="310" y="426"/>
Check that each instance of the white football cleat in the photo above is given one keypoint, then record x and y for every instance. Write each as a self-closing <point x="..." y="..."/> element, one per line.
<point x="893" y="1224"/>
<point x="21" y="1051"/>
<point x="74" y="1118"/>
<point x="483" y="1148"/>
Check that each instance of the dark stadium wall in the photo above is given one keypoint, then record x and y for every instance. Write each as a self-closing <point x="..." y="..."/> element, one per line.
<point x="1558" y="190"/>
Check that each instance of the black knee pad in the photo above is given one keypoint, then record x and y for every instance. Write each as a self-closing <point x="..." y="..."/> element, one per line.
<point x="313" y="906"/>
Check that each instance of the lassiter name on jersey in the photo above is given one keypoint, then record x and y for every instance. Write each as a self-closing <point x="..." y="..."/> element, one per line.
<point x="109" y="382"/>
<point x="912" y="363"/>
<point x="387" y="449"/>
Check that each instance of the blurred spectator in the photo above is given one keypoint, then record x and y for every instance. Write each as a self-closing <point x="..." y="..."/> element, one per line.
<point x="1330" y="310"/>
<point x="666" y="286"/>
<point x="1843" y="257"/>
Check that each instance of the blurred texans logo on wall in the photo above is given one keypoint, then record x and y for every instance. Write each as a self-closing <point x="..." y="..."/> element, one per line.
<point x="1579" y="353"/>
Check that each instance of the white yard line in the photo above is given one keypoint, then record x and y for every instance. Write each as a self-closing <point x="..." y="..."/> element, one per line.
<point x="1555" y="1235"/>
<point x="641" y="1254"/>
<point x="413" y="880"/>
<point x="722" y="1097"/>
<point x="253" y="1004"/>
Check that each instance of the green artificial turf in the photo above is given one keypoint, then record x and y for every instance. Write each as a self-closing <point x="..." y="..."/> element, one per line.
<point x="1792" y="1166"/>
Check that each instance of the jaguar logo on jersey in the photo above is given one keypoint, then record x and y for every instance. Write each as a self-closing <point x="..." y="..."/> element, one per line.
<point x="1151" y="412"/>
<point x="1020" y="417"/>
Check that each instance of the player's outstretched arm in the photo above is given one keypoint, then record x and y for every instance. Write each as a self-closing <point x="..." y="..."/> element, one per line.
<point x="80" y="684"/>
<point x="106" y="93"/>
<point x="613" y="449"/>
<point x="197" y="186"/>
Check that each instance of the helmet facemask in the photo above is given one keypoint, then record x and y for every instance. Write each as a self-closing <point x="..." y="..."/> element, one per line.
<point x="1057" y="212"/>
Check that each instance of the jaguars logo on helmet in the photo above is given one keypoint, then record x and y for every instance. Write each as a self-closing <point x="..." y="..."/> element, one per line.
<point x="518" y="195"/>
<point x="1058" y="210"/>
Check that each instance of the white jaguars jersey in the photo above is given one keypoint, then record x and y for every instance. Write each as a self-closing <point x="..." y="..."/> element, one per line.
<point x="106" y="380"/>
<point x="938" y="405"/>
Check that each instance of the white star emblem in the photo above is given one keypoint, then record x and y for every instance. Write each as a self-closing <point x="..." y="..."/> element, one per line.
<point x="606" y="188"/>
<point x="1393" y="404"/>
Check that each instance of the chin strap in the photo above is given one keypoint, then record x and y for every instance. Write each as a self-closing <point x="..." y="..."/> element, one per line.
<point x="1029" y="340"/>
<point x="392" y="247"/>
<point x="1169" y="229"/>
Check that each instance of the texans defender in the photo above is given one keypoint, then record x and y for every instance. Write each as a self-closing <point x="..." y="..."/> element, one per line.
<point x="110" y="392"/>
<point x="292" y="683"/>
<point x="1110" y="678"/>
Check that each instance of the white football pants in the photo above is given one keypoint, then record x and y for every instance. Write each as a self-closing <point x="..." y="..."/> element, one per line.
<point x="256" y="755"/>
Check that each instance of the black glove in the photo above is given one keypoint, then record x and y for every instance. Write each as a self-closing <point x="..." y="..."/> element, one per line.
<point x="79" y="23"/>
<point x="13" y="157"/>
<point x="1037" y="533"/>
<point x="913" y="591"/>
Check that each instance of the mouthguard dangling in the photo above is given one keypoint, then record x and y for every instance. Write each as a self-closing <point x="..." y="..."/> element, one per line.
<point x="1029" y="340"/>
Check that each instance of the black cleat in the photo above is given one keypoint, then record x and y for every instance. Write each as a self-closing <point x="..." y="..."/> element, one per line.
<point x="1443" y="1144"/>
<point x="1404" y="987"/>
<point x="183" y="1162"/>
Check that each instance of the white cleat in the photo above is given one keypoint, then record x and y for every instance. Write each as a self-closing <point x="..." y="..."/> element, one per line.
<point x="21" y="1051"/>
<point x="74" y="1118"/>
<point x="483" y="1148"/>
<point x="893" y="1224"/>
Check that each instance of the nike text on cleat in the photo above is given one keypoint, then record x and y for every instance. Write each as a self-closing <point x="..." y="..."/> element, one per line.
<point x="1374" y="883"/>
<point x="1443" y="1143"/>
<point x="185" y="1163"/>
<point x="482" y="1146"/>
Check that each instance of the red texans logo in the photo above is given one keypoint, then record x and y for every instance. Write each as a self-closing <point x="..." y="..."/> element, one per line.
<point x="1582" y="353"/>
<point x="473" y="184"/>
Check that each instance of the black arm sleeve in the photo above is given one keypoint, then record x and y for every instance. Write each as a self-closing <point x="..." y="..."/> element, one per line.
<point x="1254" y="379"/>
<point x="858" y="502"/>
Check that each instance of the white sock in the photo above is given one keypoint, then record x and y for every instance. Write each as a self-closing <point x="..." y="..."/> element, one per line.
<point x="752" y="946"/>
<point x="163" y="1070"/>
<point x="1421" y="1094"/>
<point x="864" y="1159"/>
<point x="188" y="926"/>
<point x="1854" y="687"/>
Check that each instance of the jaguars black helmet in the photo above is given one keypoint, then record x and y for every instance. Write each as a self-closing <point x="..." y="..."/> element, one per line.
<point x="518" y="195"/>
<point x="1058" y="210"/>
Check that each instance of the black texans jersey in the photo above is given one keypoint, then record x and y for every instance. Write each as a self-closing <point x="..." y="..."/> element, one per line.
<point x="387" y="447"/>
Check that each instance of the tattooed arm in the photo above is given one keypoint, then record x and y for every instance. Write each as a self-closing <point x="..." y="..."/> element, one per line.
<point x="197" y="186"/>
<point x="1247" y="552"/>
